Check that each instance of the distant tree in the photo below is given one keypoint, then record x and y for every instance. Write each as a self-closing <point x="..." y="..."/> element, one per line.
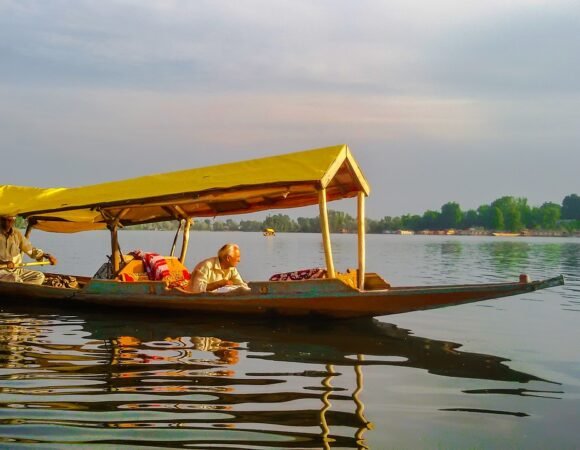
<point x="451" y="215"/>
<point x="155" y="226"/>
<point x="373" y="226"/>
<point x="218" y="225"/>
<point x="484" y="216"/>
<point x="470" y="219"/>
<point x="201" y="225"/>
<point x="309" y="224"/>
<point x="547" y="216"/>
<point x="339" y="221"/>
<point x="231" y="225"/>
<point x="431" y="220"/>
<point x="571" y="207"/>
<point x="525" y="211"/>
<point x="411" y="222"/>
<point x="391" y="223"/>
<point x="496" y="219"/>
<point x="511" y="210"/>
<point x="250" y="225"/>
<point x="280" y="223"/>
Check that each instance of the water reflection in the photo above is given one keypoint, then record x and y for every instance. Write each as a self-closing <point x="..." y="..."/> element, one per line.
<point x="151" y="381"/>
<point x="453" y="259"/>
<point x="508" y="255"/>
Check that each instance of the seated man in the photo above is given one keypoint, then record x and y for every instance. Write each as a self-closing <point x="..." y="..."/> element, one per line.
<point x="217" y="272"/>
<point x="12" y="245"/>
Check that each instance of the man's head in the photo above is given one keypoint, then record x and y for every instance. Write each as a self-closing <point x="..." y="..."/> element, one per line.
<point x="7" y="223"/>
<point x="229" y="255"/>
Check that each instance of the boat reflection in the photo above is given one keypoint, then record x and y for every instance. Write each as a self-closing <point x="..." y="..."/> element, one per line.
<point x="235" y="384"/>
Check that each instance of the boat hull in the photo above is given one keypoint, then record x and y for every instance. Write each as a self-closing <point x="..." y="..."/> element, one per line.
<point x="325" y="297"/>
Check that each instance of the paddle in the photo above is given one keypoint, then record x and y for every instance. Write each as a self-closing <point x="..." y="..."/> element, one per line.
<point x="36" y="263"/>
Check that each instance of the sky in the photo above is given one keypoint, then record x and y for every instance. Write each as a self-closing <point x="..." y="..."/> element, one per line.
<point x="439" y="101"/>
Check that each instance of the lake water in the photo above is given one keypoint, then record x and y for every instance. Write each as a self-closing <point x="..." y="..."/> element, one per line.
<point x="499" y="374"/>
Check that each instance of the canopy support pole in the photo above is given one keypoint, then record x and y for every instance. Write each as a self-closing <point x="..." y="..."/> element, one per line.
<point x="115" y="249"/>
<point x="28" y="230"/>
<point x="185" y="242"/>
<point x="325" y="233"/>
<point x="361" y="239"/>
<point x="175" y="237"/>
<point x="115" y="253"/>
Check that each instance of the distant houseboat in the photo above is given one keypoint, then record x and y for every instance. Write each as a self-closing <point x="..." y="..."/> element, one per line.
<point x="269" y="232"/>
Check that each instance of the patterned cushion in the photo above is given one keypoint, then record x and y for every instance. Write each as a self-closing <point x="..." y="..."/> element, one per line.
<point x="304" y="274"/>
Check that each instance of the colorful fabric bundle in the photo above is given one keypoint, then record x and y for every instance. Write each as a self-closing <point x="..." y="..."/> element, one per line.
<point x="156" y="266"/>
<point x="159" y="268"/>
<point x="305" y="274"/>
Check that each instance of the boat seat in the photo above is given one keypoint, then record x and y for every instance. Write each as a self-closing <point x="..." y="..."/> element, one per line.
<point x="135" y="271"/>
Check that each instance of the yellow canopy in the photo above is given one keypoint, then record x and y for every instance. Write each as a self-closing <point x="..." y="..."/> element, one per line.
<point x="285" y="181"/>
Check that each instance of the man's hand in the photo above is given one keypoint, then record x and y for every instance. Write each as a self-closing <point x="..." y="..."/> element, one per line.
<point x="51" y="258"/>
<point x="222" y="283"/>
<point x="7" y="265"/>
<point x="218" y="284"/>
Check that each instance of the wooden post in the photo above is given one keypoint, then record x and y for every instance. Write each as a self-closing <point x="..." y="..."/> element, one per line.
<point x="28" y="230"/>
<point x="115" y="253"/>
<point x="361" y="239"/>
<point x="175" y="237"/>
<point x="115" y="249"/>
<point x="325" y="233"/>
<point x="185" y="242"/>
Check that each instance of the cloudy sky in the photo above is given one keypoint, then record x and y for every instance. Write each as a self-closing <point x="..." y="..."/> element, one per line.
<point x="440" y="101"/>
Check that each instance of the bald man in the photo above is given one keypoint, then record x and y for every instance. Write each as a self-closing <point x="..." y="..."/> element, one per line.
<point x="218" y="271"/>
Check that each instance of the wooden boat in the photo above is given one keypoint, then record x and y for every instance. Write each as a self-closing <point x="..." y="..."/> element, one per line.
<point x="285" y="181"/>
<point x="505" y="234"/>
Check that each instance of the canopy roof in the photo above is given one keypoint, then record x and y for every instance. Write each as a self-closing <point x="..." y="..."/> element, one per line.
<point x="284" y="181"/>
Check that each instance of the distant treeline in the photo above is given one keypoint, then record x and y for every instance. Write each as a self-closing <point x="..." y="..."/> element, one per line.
<point x="504" y="214"/>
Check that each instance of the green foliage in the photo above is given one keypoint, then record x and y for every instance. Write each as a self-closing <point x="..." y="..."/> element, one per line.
<point x="512" y="210"/>
<point x="546" y="217"/>
<point x="496" y="219"/>
<point x="250" y="225"/>
<point x="281" y="223"/>
<point x="163" y="226"/>
<point x="410" y="222"/>
<point x="470" y="219"/>
<point x="431" y="220"/>
<point x="571" y="207"/>
<point x="308" y="225"/>
<point x="341" y="222"/>
<point x="451" y="215"/>
<point x="503" y="214"/>
<point x="20" y="222"/>
<point x="202" y="225"/>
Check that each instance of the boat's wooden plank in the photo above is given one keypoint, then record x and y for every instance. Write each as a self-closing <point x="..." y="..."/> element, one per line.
<point x="324" y="297"/>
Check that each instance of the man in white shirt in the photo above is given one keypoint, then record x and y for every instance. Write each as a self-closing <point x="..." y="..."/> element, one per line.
<point x="218" y="272"/>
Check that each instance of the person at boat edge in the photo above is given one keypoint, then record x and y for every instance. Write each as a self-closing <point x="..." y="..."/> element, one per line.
<point x="12" y="245"/>
<point x="218" y="273"/>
